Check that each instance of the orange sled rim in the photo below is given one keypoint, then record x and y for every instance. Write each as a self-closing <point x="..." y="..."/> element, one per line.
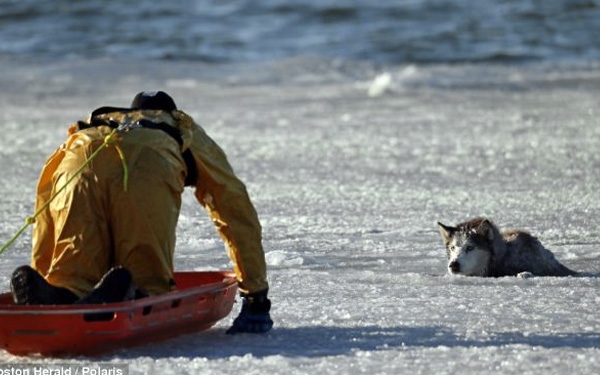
<point x="202" y="299"/>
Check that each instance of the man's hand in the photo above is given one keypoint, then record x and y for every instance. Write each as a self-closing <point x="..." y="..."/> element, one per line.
<point x="254" y="316"/>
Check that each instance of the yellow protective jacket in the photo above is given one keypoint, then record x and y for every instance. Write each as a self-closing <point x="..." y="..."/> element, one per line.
<point x="122" y="207"/>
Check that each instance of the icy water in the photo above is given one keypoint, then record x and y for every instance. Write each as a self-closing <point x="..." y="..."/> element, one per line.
<point x="353" y="144"/>
<point x="349" y="187"/>
<point x="243" y="30"/>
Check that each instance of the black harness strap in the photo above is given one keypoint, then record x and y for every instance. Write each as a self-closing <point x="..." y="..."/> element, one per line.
<point x="192" y="172"/>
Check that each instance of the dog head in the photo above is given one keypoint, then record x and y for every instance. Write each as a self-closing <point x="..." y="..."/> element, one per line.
<point x="469" y="247"/>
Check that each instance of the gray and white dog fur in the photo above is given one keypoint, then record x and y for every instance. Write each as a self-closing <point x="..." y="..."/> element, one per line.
<point x="478" y="248"/>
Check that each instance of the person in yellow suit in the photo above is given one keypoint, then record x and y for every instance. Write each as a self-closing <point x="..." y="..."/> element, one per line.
<point x="108" y="235"/>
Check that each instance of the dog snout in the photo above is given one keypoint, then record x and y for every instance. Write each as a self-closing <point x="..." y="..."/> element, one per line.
<point x="454" y="266"/>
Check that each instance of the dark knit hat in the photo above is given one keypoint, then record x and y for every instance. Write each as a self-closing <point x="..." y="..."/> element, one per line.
<point x="153" y="100"/>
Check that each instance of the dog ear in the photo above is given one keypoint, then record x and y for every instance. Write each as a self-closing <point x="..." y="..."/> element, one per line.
<point x="486" y="229"/>
<point x="446" y="231"/>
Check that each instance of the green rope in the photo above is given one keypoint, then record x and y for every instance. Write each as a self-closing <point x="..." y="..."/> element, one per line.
<point x="108" y="140"/>
<point x="125" y="168"/>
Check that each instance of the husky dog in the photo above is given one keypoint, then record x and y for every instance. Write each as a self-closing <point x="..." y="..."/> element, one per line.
<point x="478" y="248"/>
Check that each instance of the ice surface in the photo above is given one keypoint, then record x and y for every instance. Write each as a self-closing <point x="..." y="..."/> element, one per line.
<point x="349" y="188"/>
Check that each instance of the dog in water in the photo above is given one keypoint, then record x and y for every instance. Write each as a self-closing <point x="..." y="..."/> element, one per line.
<point x="478" y="248"/>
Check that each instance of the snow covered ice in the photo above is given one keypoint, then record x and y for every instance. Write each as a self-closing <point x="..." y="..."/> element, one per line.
<point x="349" y="187"/>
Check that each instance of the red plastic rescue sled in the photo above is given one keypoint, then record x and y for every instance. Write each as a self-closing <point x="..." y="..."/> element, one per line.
<point x="202" y="299"/>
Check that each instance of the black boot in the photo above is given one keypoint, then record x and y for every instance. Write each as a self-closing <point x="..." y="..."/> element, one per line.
<point x="115" y="286"/>
<point x="28" y="287"/>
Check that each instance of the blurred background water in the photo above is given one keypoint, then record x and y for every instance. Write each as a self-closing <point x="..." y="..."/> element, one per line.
<point x="218" y="31"/>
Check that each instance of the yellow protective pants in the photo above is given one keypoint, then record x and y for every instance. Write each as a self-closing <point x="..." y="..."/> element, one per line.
<point x="97" y="222"/>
